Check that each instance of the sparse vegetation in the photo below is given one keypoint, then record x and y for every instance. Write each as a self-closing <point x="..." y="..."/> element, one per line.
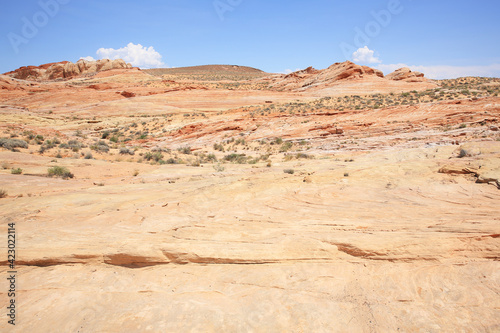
<point x="236" y="158"/>
<point x="185" y="150"/>
<point x="219" y="168"/>
<point x="12" y="144"/>
<point x="289" y="171"/>
<point x="3" y="193"/>
<point x="100" y="146"/>
<point x="126" y="151"/>
<point x="463" y="153"/>
<point x="58" y="171"/>
<point x="16" y="171"/>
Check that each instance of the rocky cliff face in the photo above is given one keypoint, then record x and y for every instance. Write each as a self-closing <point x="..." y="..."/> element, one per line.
<point x="66" y="69"/>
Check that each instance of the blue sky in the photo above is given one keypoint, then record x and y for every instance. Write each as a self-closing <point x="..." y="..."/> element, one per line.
<point x="441" y="38"/>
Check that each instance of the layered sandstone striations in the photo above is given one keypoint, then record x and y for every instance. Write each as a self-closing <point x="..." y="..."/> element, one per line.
<point x="236" y="206"/>
<point x="343" y="75"/>
<point x="66" y="69"/>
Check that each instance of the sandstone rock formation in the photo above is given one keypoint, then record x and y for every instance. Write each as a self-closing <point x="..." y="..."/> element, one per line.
<point x="405" y="74"/>
<point x="387" y="222"/>
<point x="66" y="69"/>
<point x="311" y="78"/>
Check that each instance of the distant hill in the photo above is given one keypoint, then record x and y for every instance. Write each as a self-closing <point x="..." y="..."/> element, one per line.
<point x="210" y="72"/>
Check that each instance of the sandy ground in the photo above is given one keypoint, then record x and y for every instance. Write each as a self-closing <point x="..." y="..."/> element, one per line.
<point x="365" y="237"/>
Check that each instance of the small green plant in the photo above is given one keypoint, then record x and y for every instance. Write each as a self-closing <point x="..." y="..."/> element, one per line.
<point x="185" y="150"/>
<point x="219" y="167"/>
<point x="74" y="145"/>
<point x="58" y="171"/>
<point x="236" y="158"/>
<point x="462" y="126"/>
<point x="218" y="146"/>
<point x="16" y="171"/>
<point x="286" y="147"/>
<point x="211" y="158"/>
<point x="157" y="156"/>
<point x="101" y="146"/>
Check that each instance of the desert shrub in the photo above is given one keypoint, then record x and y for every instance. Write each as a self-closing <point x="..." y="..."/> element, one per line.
<point x="172" y="161"/>
<point x="13" y="143"/>
<point x="105" y="134"/>
<point x="278" y="141"/>
<point x="16" y="171"/>
<point x="236" y="158"/>
<point x="100" y="146"/>
<point x="289" y="171"/>
<point x="286" y="147"/>
<point x="211" y="158"/>
<point x="88" y="156"/>
<point x="185" y="150"/>
<point x="126" y="151"/>
<point x="29" y="134"/>
<point x="218" y="146"/>
<point x="74" y="145"/>
<point x="196" y="162"/>
<point x="157" y="156"/>
<point x="3" y="193"/>
<point x="219" y="167"/>
<point x="58" y="171"/>
<point x="463" y="153"/>
<point x="303" y="155"/>
<point x="39" y="139"/>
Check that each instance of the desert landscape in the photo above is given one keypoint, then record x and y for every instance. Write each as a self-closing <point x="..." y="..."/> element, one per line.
<point x="225" y="199"/>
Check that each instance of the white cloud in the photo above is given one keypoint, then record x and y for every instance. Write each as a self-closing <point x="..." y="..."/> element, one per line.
<point x="89" y="58"/>
<point x="445" y="71"/>
<point x="137" y="55"/>
<point x="365" y="55"/>
<point x="288" y="71"/>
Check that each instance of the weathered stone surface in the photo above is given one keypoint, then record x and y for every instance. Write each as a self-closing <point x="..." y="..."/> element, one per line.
<point x="66" y="69"/>
<point x="405" y="74"/>
<point x="364" y="235"/>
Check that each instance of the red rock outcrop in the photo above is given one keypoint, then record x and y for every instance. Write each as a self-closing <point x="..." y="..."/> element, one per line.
<point x="405" y="74"/>
<point x="66" y="69"/>
<point x="310" y="77"/>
